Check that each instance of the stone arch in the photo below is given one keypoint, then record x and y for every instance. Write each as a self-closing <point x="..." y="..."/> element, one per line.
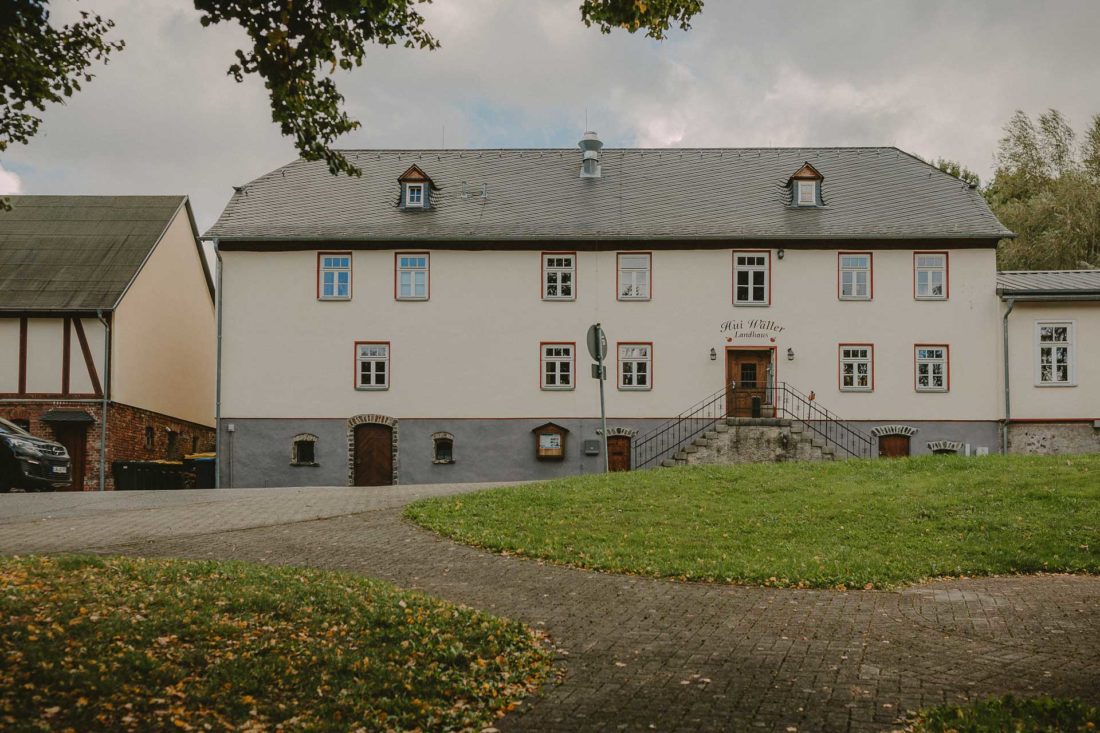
<point x="944" y="446"/>
<point x="373" y="419"/>
<point x="612" y="432"/>
<point x="905" y="430"/>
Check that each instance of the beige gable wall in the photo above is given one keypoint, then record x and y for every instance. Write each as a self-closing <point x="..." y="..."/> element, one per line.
<point x="1030" y="399"/>
<point x="9" y="354"/>
<point x="472" y="350"/>
<point x="163" y="355"/>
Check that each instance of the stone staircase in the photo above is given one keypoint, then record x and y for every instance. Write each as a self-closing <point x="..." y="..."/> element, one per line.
<point x="753" y="440"/>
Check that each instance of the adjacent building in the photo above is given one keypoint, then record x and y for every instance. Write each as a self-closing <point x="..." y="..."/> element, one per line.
<point x="426" y="322"/>
<point x="106" y="320"/>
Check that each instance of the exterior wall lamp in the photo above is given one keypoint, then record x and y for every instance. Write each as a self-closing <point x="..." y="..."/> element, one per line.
<point x="780" y="253"/>
<point x="713" y="354"/>
<point x="790" y="354"/>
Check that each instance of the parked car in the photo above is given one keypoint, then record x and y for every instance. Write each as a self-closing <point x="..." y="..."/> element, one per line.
<point x="30" y="463"/>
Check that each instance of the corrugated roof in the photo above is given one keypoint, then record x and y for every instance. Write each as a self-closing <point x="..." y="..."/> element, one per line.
<point x="77" y="252"/>
<point x="731" y="193"/>
<point x="1085" y="283"/>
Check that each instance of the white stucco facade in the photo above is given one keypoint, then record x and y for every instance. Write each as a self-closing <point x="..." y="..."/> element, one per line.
<point x="472" y="350"/>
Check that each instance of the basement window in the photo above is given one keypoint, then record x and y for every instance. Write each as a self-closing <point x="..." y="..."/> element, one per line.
<point x="303" y="450"/>
<point x="443" y="448"/>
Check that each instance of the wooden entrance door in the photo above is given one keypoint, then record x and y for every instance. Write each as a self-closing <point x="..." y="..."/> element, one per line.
<point x="74" y="436"/>
<point x="373" y="455"/>
<point x="893" y="446"/>
<point x="748" y="369"/>
<point x="618" y="452"/>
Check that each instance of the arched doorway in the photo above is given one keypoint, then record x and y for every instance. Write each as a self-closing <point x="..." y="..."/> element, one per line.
<point x="372" y="450"/>
<point x="618" y="452"/>
<point x="894" y="440"/>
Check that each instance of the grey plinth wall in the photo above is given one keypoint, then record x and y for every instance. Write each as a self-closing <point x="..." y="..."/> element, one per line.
<point x="257" y="452"/>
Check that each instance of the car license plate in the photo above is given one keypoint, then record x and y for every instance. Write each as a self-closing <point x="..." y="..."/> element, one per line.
<point x="60" y="469"/>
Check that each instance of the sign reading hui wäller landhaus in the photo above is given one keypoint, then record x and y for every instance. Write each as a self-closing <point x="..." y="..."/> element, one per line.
<point x="753" y="328"/>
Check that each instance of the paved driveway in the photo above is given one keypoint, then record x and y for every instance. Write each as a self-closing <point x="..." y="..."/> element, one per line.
<point x="638" y="654"/>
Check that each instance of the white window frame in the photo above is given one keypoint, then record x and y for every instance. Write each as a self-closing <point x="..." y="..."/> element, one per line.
<point x="765" y="269"/>
<point x="855" y="360"/>
<point x="918" y="269"/>
<point x="559" y="271"/>
<point x="1071" y="353"/>
<point x="335" y="271"/>
<point x="640" y="278"/>
<point x="801" y="186"/>
<point x="409" y="202"/>
<point x="842" y="270"/>
<point x="943" y="361"/>
<point x="374" y="352"/>
<point x="630" y="361"/>
<point x="400" y="269"/>
<point x="567" y="359"/>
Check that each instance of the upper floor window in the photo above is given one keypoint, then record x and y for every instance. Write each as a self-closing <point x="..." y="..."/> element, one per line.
<point x="412" y="276"/>
<point x="414" y="195"/>
<point x="855" y="276"/>
<point x="635" y="366"/>
<point x="857" y="365"/>
<point x="1055" y="353"/>
<point x="334" y="276"/>
<point x="635" y="275"/>
<point x="930" y="275"/>
<point x="372" y="361"/>
<point x="557" y="366"/>
<point x="559" y="274"/>
<point x="751" y="278"/>
<point x="932" y="369"/>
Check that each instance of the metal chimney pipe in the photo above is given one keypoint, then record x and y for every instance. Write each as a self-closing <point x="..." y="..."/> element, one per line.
<point x="590" y="146"/>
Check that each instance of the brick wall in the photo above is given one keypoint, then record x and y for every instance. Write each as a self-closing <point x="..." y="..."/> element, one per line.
<point x="126" y="433"/>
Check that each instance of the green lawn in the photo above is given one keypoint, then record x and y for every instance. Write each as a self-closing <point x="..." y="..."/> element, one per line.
<point x="142" y="645"/>
<point x="1039" y="715"/>
<point x="874" y="523"/>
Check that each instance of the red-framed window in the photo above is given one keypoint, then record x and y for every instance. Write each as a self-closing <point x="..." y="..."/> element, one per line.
<point x="559" y="276"/>
<point x="931" y="275"/>
<point x="931" y="367"/>
<point x="334" y="278"/>
<point x="855" y="277"/>
<point x="557" y="365"/>
<point x="634" y="275"/>
<point x="856" y="367"/>
<point x="635" y="365"/>
<point x="372" y="365"/>
<point x="752" y="277"/>
<point x="412" y="276"/>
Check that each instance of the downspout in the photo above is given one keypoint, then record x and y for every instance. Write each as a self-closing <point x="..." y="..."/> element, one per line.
<point x="218" y="368"/>
<point x="1008" y="393"/>
<point x="106" y="396"/>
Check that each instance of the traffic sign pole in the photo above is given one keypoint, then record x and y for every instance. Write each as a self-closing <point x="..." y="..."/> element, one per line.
<point x="597" y="347"/>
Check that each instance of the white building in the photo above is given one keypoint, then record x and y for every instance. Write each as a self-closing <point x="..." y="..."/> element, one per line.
<point x="418" y="323"/>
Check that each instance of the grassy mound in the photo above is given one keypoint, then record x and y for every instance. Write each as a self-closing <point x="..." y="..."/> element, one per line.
<point x="855" y="524"/>
<point x="1039" y="715"/>
<point x="143" y="645"/>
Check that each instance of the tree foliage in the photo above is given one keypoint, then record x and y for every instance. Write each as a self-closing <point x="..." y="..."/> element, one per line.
<point x="41" y="64"/>
<point x="295" y="48"/>
<point x="1046" y="188"/>
<point x="960" y="171"/>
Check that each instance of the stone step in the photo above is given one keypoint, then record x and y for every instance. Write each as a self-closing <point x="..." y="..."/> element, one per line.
<point x="797" y="428"/>
<point x="710" y="434"/>
<point x="689" y="449"/>
<point x="721" y="428"/>
<point x="701" y="442"/>
<point x="669" y="463"/>
<point x="772" y="422"/>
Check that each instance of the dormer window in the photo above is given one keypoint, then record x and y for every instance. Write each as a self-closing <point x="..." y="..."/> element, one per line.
<point x="805" y="186"/>
<point x="807" y="193"/>
<point x="416" y="189"/>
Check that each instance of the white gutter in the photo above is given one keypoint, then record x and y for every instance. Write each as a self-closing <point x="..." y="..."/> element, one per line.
<point x="1008" y="393"/>
<point x="218" y="367"/>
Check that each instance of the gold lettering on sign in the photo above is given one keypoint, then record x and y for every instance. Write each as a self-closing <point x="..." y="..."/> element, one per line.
<point x="752" y="328"/>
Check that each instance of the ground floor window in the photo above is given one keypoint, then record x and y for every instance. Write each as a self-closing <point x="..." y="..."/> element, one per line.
<point x="372" y="365"/>
<point x="557" y="366"/>
<point x="932" y="368"/>
<point x="857" y="367"/>
<point x="1055" y="353"/>
<point x="635" y="366"/>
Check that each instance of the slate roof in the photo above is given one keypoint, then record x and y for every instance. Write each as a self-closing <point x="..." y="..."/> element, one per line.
<point x="78" y="252"/>
<point x="1084" y="284"/>
<point x="651" y="194"/>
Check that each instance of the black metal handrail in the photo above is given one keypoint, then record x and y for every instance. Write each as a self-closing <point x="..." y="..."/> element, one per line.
<point x="667" y="438"/>
<point x="794" y="405"/>
<point x="781" y="400"/>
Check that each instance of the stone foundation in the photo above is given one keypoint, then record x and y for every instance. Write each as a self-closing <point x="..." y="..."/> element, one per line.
<point x="1047" y="439"/>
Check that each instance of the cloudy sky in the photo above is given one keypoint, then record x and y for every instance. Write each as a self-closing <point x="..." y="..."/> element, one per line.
<point x="934" y="78"/>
